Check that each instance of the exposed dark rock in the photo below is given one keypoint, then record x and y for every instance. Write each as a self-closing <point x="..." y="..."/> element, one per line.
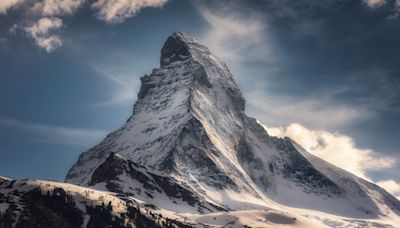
<point x="50" y="210"/>
<point x="174" y="49"/>
<point x="296" y="166"/>
<point x="57" y="208"/>
<point x="108" y="170"/>
<point x="147" y="84"/>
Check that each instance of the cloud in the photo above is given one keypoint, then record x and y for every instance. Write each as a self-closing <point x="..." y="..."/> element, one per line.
<point x="308" y="111"/>
<point x="397" y="9"/>
<point x="374" y="3"/>
<point x="5" y="5"/>
<point x="55" y="134"/>
<point x="391" y="186"/>
<point x="56" y="7"/>
<point x="43" y="17"/>
<point x="118" y="10"/>
<point x="49" y="13"/>
<point x="39" y="32"/>
<point x="335" y="148"/>
<point x="395" y="5"/>
<point x="341" y="151"/>
<point x="125" y="92"/>
<point x="235" y="35"/>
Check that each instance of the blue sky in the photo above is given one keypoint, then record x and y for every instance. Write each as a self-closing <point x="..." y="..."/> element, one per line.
<point x="323" y="72"/>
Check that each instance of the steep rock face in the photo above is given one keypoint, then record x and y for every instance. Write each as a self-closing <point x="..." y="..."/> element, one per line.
<point x="189" y="128"/>
<point x="130" y="179"/>
<point x="187" y="120"/>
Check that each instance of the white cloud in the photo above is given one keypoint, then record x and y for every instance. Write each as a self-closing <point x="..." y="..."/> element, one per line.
<point x="309" y="111"/>
<point x="49" y="43"/>
<point x="125" y="92"/>
<point x="43" y="26"/>
<point x="5" y="5"/>
<point x="335" y="148"/>
<point x="57" y="7"/>
<point x="391" y="186"/>
<point x="55" y="134"/>
<point x="236" y="36"/>
<point x="39" y="32"/>
<point x="118" y="10"/>
<point x="374" y="3"/>
<point x="50" y="12"/>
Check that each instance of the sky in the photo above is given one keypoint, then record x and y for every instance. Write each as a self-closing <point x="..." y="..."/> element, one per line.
<point x="325" y="73"/>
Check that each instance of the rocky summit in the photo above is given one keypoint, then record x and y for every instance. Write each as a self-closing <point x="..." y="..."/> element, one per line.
<point x="190" y="156"/>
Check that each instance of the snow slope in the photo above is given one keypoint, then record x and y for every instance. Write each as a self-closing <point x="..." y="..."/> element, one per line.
<point x="41" y="203"/>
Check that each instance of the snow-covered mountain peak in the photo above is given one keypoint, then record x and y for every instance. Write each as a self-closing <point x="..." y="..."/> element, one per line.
<point x="190" y="157"/>
<point x="189" y="113"/>
<point x="182" y="48"/>
<point x="179" y="46"/>
<point x="189" y="132"/>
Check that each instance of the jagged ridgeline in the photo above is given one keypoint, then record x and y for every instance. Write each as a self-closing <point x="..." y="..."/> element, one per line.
<point x="190" y="154"/>
<point x="189" y="131"/>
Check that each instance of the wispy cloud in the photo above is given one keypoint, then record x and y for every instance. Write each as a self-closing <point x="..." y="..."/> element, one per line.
<point x="125" y="90"/>
<point x="122" y="76"/>
<point x="236" y="35"/>
<point x="118" y="10"/>
<point x="319" y="113"/>
<point x="55" y="134"/>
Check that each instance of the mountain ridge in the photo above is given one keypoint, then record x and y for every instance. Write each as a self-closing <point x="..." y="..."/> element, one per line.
<point x="212" y="142"/>
<point x="190" y="151"/>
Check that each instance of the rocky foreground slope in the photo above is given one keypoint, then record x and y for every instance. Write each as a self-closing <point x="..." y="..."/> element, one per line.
<point x="191" y="154"/>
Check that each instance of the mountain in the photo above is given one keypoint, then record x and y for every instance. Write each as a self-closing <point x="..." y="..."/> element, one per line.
<point x="191" y="154"/>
